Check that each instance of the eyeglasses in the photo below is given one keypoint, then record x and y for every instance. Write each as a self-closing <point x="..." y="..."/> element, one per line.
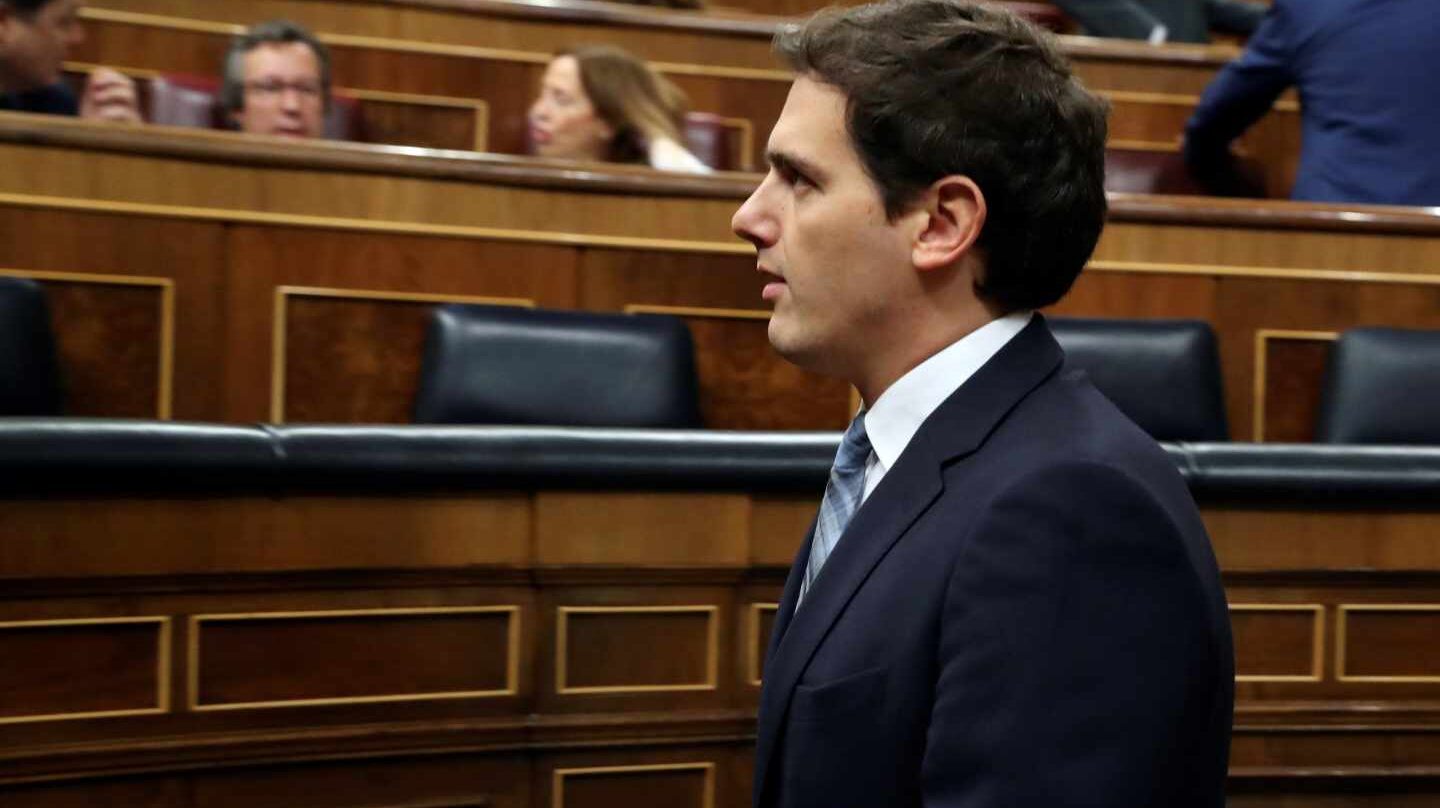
<point x="273" y="88"/>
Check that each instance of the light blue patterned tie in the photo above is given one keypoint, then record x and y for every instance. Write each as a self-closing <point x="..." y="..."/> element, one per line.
<point x="842" y="498"/>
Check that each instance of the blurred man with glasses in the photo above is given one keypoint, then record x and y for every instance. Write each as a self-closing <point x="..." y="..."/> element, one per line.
<point x="277" y="81"/>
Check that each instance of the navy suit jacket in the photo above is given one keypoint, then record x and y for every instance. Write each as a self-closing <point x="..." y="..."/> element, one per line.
<point x="1025" y="612"/>
<point x="1364" y="70"/>
<point x="55" y="99"/>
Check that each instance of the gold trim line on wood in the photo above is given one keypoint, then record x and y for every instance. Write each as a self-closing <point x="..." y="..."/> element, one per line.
<point x="414" y="46"/>
<point x="162" y="667"/>
<point x="698" y="311"/>
<point x="512" y="646"/>
<point x="1317" y="639"/>
<point x="712" y="650"/>
<point x="1341" y="630"/>
<point x="1162" y="146"/>
<point x="752" y="642"/>
<point x="165" y="383"/>
<point x="279" y="333"/>
<point x="1279" y="273"/>
<point x="557" y="790"/>
<point x="649" y="244"/>
<point x="1262" y="369"/>
<point x="377" y="226"/>
<point x="1174" y="99"/>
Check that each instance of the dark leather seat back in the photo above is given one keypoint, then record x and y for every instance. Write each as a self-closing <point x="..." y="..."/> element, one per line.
<point x="1382" y="386"/>
<point x="29" y="363"/>
<point x="503" y="365"/>
<point x="1163" y="374"/>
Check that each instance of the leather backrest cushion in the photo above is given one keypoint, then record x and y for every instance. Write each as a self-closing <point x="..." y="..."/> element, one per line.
<point x="1382" y="386"/>
<point x="1163" y="374"/>
<point x="502" y="365"/>
<point x="29" y="365"/>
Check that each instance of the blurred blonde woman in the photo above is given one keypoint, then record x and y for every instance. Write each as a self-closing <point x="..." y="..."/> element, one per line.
<point x="598" y="102"/>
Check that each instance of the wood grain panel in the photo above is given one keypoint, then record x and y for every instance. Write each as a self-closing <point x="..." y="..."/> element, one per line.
<point x="757" y="639"/>
<point x="667" y="784"/>
<point x="636" y="649"/>
<point x="1278" y="643"/>
<point x="1290" y="375"/>
<point x="778" y="525"/>
<point x="1388" y="643"/>
<point x="110" y="334"/>
<point x="114" y="338"/>
<point x="430" y="781"/>
<point x="68" y="669"/>
<point x="744" y="384"/>
<point x="298" y="659"/>
<point x="428" y="126"/>
<point x="369" y="349"/>
<point x="677" y="529"/>
<point x="57" y="539"/>
<point x="1289" y="539"/>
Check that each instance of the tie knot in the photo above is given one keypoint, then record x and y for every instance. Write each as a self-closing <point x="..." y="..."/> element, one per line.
<point x="854" y="447"/>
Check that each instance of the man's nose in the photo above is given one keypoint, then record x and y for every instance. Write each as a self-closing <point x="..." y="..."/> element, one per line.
<point x="752" y="223"/>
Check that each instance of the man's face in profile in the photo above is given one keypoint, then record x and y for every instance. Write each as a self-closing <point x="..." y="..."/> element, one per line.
<point x="832" y="261"/>
<point x="284" y="94"/>
<point x="33" y="47"/>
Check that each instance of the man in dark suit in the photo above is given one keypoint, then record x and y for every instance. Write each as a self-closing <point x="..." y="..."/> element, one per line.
<point x="1363" y="72"/>
<point x="1008" y="598"/>
<point x="35" y="37"/>
<point x="1159" y="21"/>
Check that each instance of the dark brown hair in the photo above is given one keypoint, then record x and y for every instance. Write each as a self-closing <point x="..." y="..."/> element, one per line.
<point x="942" y="87"/>
<point x="638" y="103"/>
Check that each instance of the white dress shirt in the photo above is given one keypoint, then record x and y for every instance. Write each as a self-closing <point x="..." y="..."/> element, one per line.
<point x="902" y="408"/>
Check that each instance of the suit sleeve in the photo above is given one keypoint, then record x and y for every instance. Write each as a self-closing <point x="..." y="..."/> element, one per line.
<point x="1075" y="644"/>
<point x="1241" y="94"/>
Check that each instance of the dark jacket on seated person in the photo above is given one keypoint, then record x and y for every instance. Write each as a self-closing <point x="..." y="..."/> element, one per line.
<point x="1363" y="71"/>
<point x="53" y="100"/>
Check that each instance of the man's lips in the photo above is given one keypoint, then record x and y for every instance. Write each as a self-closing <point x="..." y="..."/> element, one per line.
<point x="773" y="286"/>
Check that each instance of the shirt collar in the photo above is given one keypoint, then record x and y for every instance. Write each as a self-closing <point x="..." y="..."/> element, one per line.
<point x="902" y="408"/>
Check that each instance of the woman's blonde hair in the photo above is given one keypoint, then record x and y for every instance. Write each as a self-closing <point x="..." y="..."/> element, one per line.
<point x="638" y="103"/>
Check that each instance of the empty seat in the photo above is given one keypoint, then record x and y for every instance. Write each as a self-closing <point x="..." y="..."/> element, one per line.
<point x="503" y="365"/>
<point x="29" y="366"/>
<point x="1163" y="374"/>
<point x="1382" y="386"/>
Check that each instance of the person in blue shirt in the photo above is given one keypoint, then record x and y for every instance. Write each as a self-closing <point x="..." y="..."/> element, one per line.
<point x="35" y="36"/>
<point x="1368" y="114"/>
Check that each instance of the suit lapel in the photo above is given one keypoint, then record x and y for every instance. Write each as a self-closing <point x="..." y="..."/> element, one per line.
<point x="954" y="430"/>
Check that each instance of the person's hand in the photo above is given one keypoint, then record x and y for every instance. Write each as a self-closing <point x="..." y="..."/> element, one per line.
<point x="110" y="96"/>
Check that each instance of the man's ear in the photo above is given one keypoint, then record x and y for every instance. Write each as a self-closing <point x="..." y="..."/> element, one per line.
<point x="954" y="215"/>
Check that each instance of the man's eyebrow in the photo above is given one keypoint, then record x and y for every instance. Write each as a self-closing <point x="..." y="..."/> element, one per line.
<point x="784" y="161"/>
